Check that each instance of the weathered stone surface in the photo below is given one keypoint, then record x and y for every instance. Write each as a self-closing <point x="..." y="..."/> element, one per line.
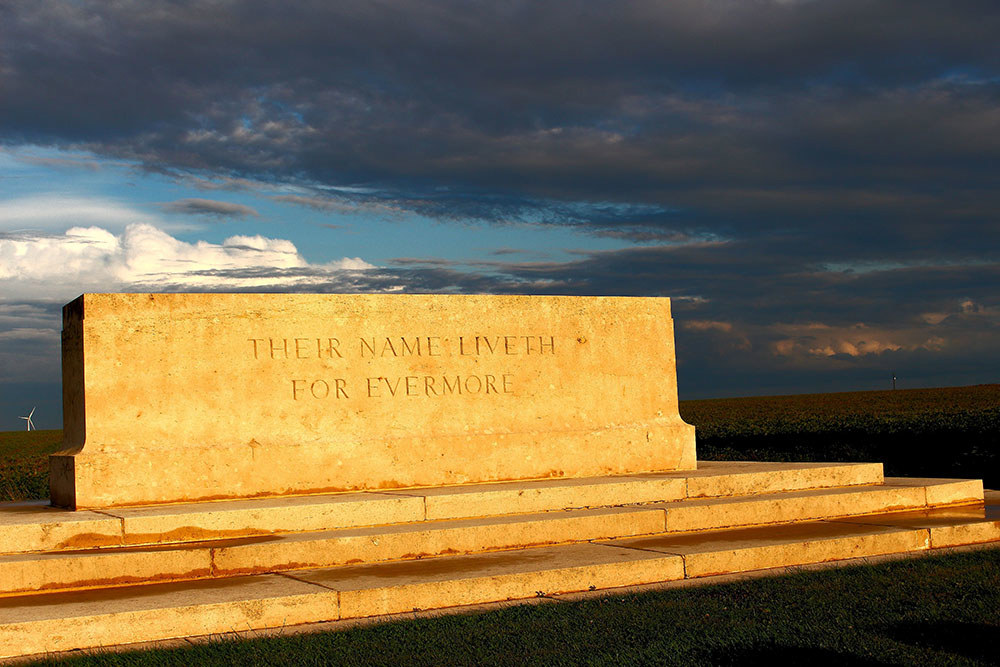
<point x="712" y="513"/>
<point x="387" y="588"/>
<point x="948" y="526"/>
<point x="186" y="397"/>
<point x="744" y="549"/>
<point x="943" y="491"/>
<point x="454" y="502"/>
<point x="433" y="538"/>
<point x="732" y="478"/>
<point x="92" y="568"/>
<point x="88" y="619"/>
<point x="34" y="527"/>
<point x="189" y="522"/>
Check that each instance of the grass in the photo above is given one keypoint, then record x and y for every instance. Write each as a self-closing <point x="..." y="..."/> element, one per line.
<point x="940" y="610"/>
<point x="24" y="465"/>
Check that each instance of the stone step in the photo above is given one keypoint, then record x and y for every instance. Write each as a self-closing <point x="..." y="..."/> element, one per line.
<point x="222" y="558"/>
<point x="35" y="527"/>
<point x="733" y="550"/>
<point x="895" y="494"/>
<point x="32" y="624"/>
<point x="407" y="541"/>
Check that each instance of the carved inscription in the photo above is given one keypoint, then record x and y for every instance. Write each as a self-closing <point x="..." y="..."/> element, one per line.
<point x="379" y="387"/>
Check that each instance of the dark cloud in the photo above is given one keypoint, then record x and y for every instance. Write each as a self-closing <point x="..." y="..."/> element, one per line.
<point x="792" y="170"/>
<point x="702" y="116"/>
<point x="61" y="163"/>
<point x="209" y="207"/>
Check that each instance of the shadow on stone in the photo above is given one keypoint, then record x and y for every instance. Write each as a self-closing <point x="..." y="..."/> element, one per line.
<point x="975" y="641"/>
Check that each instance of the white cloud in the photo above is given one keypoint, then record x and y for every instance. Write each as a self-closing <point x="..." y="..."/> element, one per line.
<point x="142" y="257"/>
<point x="821" y="340"/>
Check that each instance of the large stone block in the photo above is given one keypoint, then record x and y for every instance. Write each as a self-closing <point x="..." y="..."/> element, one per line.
<point x="189" y="397"/>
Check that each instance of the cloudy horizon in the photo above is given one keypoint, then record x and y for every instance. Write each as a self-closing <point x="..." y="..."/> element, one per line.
<point x="813" y="182"/>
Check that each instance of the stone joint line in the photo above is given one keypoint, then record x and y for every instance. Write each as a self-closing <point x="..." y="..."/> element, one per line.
<point x="121" y="523"/>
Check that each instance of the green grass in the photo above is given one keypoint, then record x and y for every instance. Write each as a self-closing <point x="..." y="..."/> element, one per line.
<point x="942" y="610"/>
<point x="24" y="465"/>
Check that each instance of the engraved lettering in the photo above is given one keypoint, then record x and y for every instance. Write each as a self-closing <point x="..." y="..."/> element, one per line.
<point x="528" y="340"/>
<point x="341" y="385"/>
<point x="370" y="346"/>
<point x="255" y="341"/>
<point x="300" y="352"/>
<point x="542" y="345"/>
<point x="506" y="344"/>
<point x="388" y="346"/>
<point x="296" y="389"/>
<point x="429" y="385"/>
<point x="283" y="349"/>
<point x="320" y="389"/>
<point x="491" y="346"/>
<point x="408" y="349"/>
<point x="332" y="345"/>
<point x="461" y="347"/>
<point x="433" y="341"/>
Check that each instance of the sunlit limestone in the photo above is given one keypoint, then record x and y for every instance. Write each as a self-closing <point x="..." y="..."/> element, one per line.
<point x="182" y="397"/>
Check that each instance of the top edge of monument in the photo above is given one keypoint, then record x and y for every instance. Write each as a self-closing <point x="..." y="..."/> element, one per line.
<point x="77" y="304"/>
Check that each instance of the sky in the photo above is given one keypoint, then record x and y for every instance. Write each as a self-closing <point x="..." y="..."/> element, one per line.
<point x="813" y="182"/>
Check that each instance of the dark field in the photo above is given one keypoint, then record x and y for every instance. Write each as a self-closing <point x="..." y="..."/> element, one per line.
<point x="950" y="432"/>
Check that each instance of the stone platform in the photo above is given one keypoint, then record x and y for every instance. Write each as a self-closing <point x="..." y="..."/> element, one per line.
<point x="93" y="578"/>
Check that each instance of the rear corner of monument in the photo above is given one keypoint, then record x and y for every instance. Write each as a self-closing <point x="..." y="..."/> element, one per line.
<point x="684" y="432"/>
<point x="62" y="464"/>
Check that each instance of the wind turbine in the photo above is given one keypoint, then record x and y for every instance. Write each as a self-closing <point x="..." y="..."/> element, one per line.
<point x="30" y="423"/>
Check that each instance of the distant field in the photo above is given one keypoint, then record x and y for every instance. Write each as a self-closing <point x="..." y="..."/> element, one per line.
<point x="24" y="466"/>
<point x="950" y="432"/>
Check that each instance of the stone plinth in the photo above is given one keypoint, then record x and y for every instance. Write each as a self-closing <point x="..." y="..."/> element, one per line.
<point x="189" y="397"/>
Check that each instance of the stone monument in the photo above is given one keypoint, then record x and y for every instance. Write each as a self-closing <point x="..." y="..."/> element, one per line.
<point x="189" y="397"/>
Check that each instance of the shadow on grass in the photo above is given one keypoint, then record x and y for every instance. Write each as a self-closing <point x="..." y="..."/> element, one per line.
<point x="790" y="655"/>
<point x="974" y="641"/>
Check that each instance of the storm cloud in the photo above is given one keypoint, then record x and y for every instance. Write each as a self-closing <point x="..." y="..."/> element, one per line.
<point x="209" y="207"/>
<point x="813" y="181"/>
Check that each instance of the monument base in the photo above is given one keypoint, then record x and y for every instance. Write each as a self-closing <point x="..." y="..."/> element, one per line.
<point x="92" y="478"/>
<point x="85" y="579"/>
